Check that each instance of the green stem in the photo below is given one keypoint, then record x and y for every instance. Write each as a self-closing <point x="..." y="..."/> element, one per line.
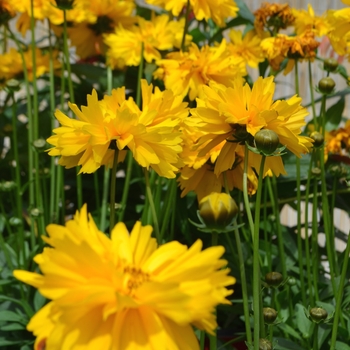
<point x="245" y="191"/>
<point x="53" y="166"/>
<point x="243" y="280"/>
<point x="72" y="100"/>
<point x="139" y="77"/>
<point x="187" y="12"/>
<point x="315" y="345"/>
<point x="105" y="190"/>
<point x="169" y="206"/>
<point x="339" y="295"/>
<point x="256" y="265"/>
<point x="311" y="85"/>
<point x="128" y="173"/>
<point x="307" y="246"/>
<point x="113" y="189"/>
<point x="213" y="337"/>
<point x="315" y="254"/>
<point x="202" y="340"/>
<point x="152" y="206"/>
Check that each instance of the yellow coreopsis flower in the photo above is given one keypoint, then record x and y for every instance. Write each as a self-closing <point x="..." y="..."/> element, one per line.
<point x="151" y="134"/>
<point x="247" y="47"/>
<point x="339" y="34"/>
<point x="217" y="10"/>
<point x="234" y="115"/>
<point x="124" y="292"/>
<point x="103" y="16"/>
<point x="306" y="20"/>
<point x="11" y="64"/>
<point x="186" y="72"/>
<point x="158" y="34"/>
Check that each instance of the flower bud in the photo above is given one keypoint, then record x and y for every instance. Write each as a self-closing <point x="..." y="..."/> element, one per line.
<point x="266" y="141"/>
<point x="217" y="210"/>
<point x="265" y="344"/>
<point x="39" y="144"/>
<point x="65" y="4"/>
<point x="269" y="314"/>
<point x="318" y="314"/>
<point x="273" y="279"/>
<point x="318" y="139"/>
<point x="7" y="186"/>
<point x="326" y="85"/>
<point x="330" y="64"/>
<point x="316" y="171"/>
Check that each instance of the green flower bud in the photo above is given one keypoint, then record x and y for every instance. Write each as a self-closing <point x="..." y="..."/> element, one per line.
<point x="65" y="4"/>
<point x="217" y="210"/>
<point x="266" y="141"/>
<point x="265" y="344"/>
<point x="316" y="172"/>
<point x="318" y="139"/>
<point x="330" y="64"/>
<point x="39" y="144"/>
<point x="269" y="314"/>
<point x="273" y="279"/>
<point x="7" y="186"/>
<point x="35" y="212"/>
<point x="14" y="221"/>
<point x="318" y="314"/>
<point x="326" y="85"/>
<point x="292" y="281"/>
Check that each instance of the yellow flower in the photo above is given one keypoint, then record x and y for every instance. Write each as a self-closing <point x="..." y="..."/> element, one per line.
<point x="338" y="141"/>
<point x="300" y="47"/>
<point x="234" y="115"/>
<point x="47" y="9"/>
<point x="11" y="64"/>
<point x="247" y="47"/>
<point x="151" y="134"/>
<point x="308" y="21"/>
<point x="273" y="17"/>
<point x="159" y="34"/>
<point x="340" y="32"/>
<point x="124" y="292"/>
<point x="187" y="72"/>
<point x="217" y="10"/>
<point x="103" y="17"/>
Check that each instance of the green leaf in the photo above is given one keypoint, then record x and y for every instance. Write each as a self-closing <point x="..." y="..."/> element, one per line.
<point x="8" y="316"/>
<point x="244" y="11"/>
<point x="289" y="330"/>
<point x="341" y="346"/>
<point x="334" y="114"/>
<point x="303" y="323"/>
<point x="13" y="327"/>
<point x="39" y="301"/>
<point x="284" y="344"/>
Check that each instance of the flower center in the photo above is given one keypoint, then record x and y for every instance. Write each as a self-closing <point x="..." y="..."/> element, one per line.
<point x="135" y="277"/>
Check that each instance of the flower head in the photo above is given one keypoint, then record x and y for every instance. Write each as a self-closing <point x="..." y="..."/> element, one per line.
<point x="123" y="292"/>
<point x="187" y="72"/>
<point x="217" y="10"/>
<point x="160" y="33"/>
<point x="273" y="17"/>
<point x="152" y="135"/>
<point x="233" y="115"/>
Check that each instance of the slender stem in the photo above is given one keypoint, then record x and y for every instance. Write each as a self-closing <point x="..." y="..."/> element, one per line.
<point x="72" y="99"/>
<point x="315" y="345"/>
<point x="243" y="281"/>
<point x="245" y="191"/>
<point x="339" y="295"/>
<point x="113" y="189"/>
<point x="152" y="206"/>
<point x="126" y="187"/>
<point x="106" y="173"/>
<point x="213" y="337"/>
<point x="187" y="12"/>
<point x="256" y="265"/>
<point x="139" y="77"/>
<point x="315" y="253"/>
<point x="311" y="85"/>
<point x="169" y="207"/>
<point x="307" y="246"/>
<point x="105" y="191"/>
<point x="53" y="167"/>
<point x="202" y="340"/>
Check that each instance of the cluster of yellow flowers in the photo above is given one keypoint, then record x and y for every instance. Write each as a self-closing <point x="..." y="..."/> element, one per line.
<point x="123" y="292"/>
